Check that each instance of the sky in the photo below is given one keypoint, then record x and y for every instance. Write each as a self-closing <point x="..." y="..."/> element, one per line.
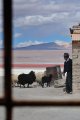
<point x="39" y="21"/>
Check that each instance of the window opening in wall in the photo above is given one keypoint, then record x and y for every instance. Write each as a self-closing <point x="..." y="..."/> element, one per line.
<point x="7" y="101"/>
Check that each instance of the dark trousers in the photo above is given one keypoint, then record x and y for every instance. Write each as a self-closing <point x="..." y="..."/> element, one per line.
<point x="69" y="82"/>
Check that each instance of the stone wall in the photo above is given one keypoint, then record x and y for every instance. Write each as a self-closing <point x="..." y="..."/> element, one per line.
<point x="76" y="66"/>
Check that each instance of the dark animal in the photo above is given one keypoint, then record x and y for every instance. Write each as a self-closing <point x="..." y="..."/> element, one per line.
<point x="46" y="79"/>
<point x="26" y="79"/>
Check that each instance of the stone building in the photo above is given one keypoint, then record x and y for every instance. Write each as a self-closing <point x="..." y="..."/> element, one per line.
<point x="75" y="34"/>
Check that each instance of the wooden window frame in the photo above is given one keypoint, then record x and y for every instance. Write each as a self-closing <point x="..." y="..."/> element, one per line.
<point x="7" y="100"/>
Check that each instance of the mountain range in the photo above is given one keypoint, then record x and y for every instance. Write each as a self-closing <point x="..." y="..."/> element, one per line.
<point x="46" y="46"/>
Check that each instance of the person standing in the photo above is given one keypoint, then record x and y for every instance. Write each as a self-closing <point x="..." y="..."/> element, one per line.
<point x="68" y="70"/>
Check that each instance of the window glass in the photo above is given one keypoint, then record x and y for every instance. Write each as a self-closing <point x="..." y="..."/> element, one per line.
<point x="48" y="113"/>
<point x="39" y="41"/>
<point x="2" y="113"/>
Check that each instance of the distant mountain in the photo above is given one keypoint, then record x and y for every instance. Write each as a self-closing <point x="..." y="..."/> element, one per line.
<point x="43" y="46"/>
